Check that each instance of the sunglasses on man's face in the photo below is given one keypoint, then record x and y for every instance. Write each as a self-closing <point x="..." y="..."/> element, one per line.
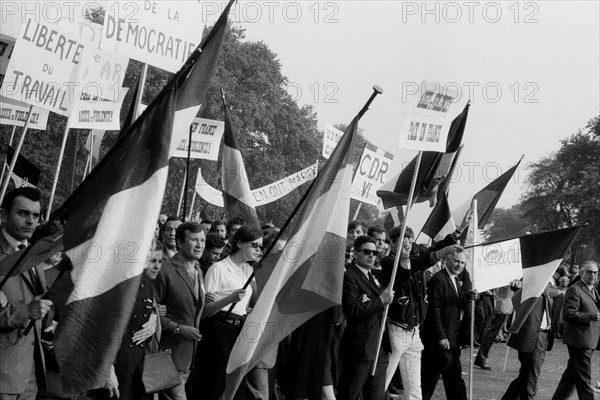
<point x="368" y="252"/>
<point x="257" y="245"/>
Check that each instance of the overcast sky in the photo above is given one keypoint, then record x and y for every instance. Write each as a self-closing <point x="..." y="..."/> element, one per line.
<point x="530" y="69"/>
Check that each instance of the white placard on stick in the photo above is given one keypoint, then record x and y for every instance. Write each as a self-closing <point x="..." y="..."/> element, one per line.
<point x="429" y="115"/>
<point x="331" y="137"/>
<point x="158" y="33"/>
<point x="97" y="113"/>
<point x="206" y="140"/>
<point x="15" y="113"/>
<point x="371" y="174"/>
<point x="44" y="67"/>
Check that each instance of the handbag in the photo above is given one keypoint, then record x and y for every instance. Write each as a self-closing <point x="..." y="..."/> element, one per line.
<point x="160" y="372"/>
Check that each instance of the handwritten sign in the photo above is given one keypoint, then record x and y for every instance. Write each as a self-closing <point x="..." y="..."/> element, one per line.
<point x="429" y="115"/>
<point x="371" y="174"/>
<point x="331" y="138"/>
<point x="206" y="140"/>
<point x="159" y="33"/>
<point x="15" y="113"/>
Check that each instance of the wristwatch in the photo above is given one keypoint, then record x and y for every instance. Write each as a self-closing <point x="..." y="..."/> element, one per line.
<point x="176" y="330"/>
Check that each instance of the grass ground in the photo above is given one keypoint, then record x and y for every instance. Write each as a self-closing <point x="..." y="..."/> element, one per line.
<point x="490" y="385"/>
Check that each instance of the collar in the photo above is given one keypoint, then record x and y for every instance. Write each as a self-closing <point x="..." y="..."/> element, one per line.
<point x="14" y="243"/>
<point x="363" y="270"/>
<point x="450" y="273"/>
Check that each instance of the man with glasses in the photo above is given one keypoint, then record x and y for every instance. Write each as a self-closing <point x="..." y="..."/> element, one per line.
<point x="363" y="300"/>
<point x="581" y="312"/>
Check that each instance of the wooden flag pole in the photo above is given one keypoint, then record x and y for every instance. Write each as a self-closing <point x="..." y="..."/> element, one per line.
<point x="181" y="195"/>
<point x="15" y="156"/>
<point x="12" y="135"/>
<point x="475" y="239"/>
<point x="140" y="93"/>
<point x="75" y="153"/>
<point x="357" y="210"/>
<point x="397" y="258"/>
<point x="57" y="173"/>
<point x="192" y="205"/>
<point x="187" y="173"/>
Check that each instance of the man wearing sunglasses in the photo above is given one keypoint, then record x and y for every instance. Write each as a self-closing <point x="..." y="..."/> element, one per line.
<point x="363" y="301"/>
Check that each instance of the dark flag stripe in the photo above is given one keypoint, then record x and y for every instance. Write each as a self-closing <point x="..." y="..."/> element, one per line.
<point x="542" y="248"/>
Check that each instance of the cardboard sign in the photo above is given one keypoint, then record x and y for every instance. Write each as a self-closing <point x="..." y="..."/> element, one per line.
<point x="429" y="115"/>
<point x="92" y="113"/>
<point x="44" y="66"/>
<point x="331" y="138"/>
<point x="15" y="113"/>
<point x="159" y="33"/>
<point x="371" y="174"/>
<point x="206" y="140"/>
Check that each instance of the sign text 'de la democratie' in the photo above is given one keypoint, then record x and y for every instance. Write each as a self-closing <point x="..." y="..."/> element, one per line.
<point x="158" y="33"/>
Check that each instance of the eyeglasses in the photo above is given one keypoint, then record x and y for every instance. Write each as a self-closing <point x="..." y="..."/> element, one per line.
<point x="257" y="245"/>
<point x="592" y="272"/>
<point x="368" y="252"/>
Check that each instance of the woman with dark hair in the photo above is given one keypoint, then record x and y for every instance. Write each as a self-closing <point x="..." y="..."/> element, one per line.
<point x="224" y="284"/>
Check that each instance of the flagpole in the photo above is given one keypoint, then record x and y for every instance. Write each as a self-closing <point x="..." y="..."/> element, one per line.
<point x="75" y="153"/>
<point x="192" y="205"/>
<point x="472" y="324"/>
<point x="357" y="210"/>
<point x="181" y="195"/>
<point x="187" y="174"/>
<point x="409" y="204"/>
<point x="140" y="93"/>
<point x="12" y="135"/>
<point x="376" y="90"/>
<point x="57" y="173"/>
<point x="15" y="156"/>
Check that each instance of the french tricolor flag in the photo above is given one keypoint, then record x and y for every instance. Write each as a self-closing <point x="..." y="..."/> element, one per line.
<point x="112" y="217"/>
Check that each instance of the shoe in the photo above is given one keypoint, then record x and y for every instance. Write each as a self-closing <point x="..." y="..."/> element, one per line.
<point x="483" y="366"/>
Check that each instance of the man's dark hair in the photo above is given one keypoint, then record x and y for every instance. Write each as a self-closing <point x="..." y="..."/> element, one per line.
<point x="193" y="227"/>
<point x="375" y="229"/>
<point x="362" y="240"/>
<point x="206" y="221"/>
<point x="395" y="233"/>
<point x="217" y="223"/>
<point x="31" y="193"/>
<point x="235" y="221"/>
<point x="214" y="241"/>
<point x="163" y="226"/>
<point x="356" y="224"/>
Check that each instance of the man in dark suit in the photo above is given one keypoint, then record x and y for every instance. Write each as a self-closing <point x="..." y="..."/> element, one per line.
<point x="180" y="287"/>
<point x="581" y="312"/>
<point x="363" y="301"/>
<point x="447" y="306"/>
<point x="22" y="369"/>
<point x="531" y="341"/>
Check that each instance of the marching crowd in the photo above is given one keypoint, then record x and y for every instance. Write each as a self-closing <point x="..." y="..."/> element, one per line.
<point x="197" y="290"/>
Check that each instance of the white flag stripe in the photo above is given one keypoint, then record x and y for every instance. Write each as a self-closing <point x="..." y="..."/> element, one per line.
<point x="119" y="247"/>
<point x="297" y="251"/>
<point x="536" y="278"/>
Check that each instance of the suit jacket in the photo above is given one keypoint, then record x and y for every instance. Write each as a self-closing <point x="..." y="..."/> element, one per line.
<point x="19" y="354"/>
<point x="444" y="310"/>
<point x="579" y="307"/>
<point x="174" y="289"/>
<point x="526" y="338"/>
<point x="359" y="341"/>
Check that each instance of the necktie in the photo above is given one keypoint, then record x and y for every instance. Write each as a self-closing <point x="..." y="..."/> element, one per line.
<point x="372" y="279"/>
